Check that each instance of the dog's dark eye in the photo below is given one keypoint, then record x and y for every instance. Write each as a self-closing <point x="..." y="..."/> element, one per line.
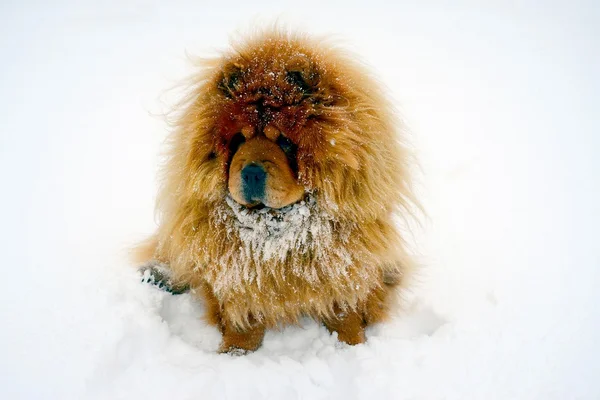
<point x="235" y="142"/>
<point x="289" y="148"/>
<point x="286" y="144"/>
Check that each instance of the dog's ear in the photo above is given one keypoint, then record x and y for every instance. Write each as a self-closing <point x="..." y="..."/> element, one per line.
<point x="230" y="80"/>
<point x="302" y="74"/>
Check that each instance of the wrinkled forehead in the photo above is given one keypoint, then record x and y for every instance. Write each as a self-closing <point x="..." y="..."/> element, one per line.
<point x="272" y="61"/>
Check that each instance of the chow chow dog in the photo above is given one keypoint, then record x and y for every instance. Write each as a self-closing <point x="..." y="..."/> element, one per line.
<point x="285" y="170"/>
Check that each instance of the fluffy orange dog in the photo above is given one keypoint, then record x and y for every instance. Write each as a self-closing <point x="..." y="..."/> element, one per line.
<point x="284" y="172"/>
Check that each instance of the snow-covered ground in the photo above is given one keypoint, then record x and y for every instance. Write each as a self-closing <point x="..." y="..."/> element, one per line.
<point x="503" y="102"/>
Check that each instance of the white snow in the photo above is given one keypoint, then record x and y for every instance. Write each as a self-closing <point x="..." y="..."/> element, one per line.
<point x="502" y="100"/>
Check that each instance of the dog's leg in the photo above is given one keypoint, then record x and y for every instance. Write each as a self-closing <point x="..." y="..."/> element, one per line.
<point x="349" y="325"/>
<point x="212" y="313"/>
<point x="241" y="341"/>
<point x="382" y="299"/>
<point x="378" y="304"/>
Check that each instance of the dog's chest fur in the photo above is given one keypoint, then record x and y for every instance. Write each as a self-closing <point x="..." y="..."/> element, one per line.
<point x="281" y="264"/>
<point x="300" y="240"/>
<point x="269" y="234"/>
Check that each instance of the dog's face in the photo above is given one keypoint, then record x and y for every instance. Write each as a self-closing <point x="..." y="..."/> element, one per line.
<point x="261" y="173"/>
<point x="266" y="108"/>
<point x="281" y="117"/>
<point x="269" y="106"/>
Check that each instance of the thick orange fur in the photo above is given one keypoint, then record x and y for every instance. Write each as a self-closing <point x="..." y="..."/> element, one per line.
<point x="350" y="161"/>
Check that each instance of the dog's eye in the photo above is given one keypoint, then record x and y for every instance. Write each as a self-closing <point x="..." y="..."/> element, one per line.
<point x="290" y="149"/>
<point x="286" y="144"/>
<point x="235" y="142"/>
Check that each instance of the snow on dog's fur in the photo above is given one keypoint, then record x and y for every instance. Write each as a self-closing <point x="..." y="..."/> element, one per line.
<point x="318" y="238"/>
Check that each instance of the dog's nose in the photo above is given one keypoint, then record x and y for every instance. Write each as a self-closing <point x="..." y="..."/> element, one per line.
<point x="253" y="182"/>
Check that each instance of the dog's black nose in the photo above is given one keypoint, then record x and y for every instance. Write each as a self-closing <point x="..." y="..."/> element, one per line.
<point x="253" y="182"/>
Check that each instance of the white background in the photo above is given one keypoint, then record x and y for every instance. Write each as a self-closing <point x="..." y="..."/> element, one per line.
<point x="502" y="101"/>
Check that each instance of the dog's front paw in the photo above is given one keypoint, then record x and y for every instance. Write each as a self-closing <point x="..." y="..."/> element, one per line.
<point x="238" y="341"/>
<point x="234" y="351"/>
<point x="159" y="275"/>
